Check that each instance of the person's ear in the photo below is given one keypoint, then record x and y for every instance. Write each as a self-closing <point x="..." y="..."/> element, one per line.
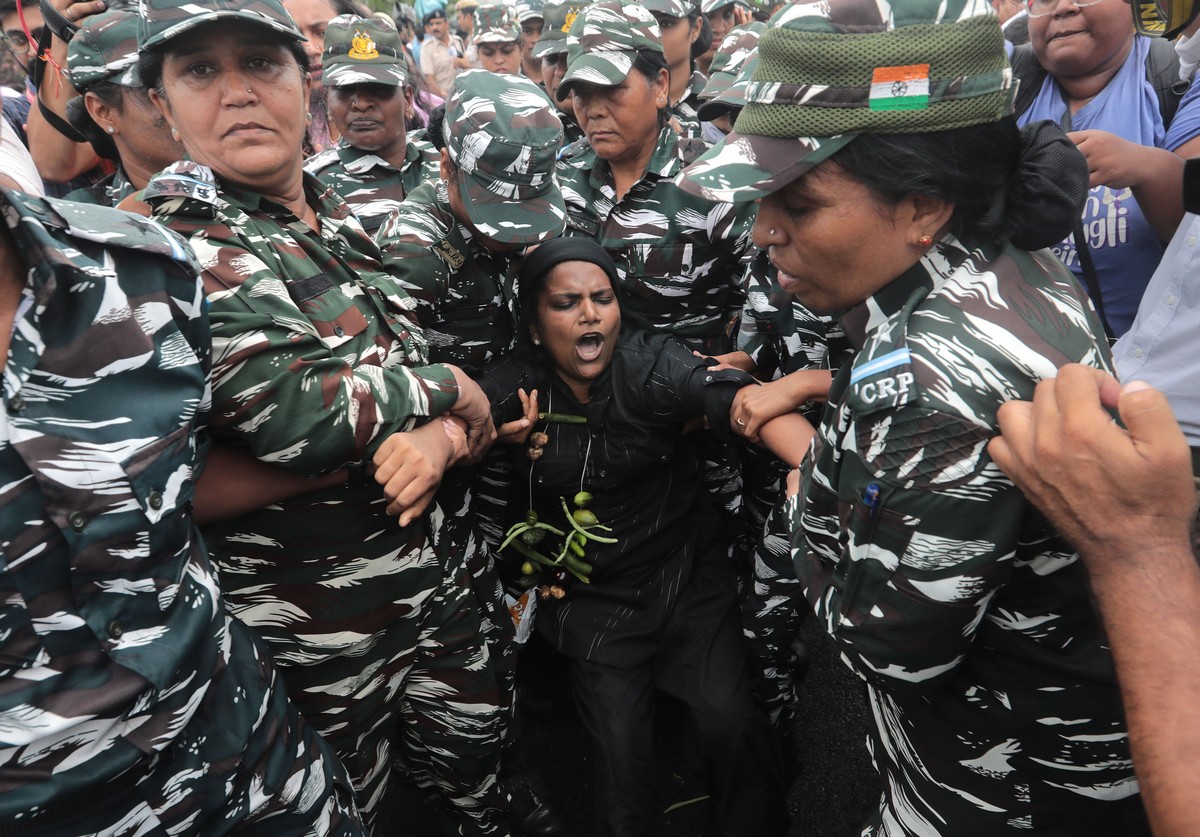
<point x="164" y="107"/>
<point x="445" y="167"/>
<point x="924" y="217"/>
<point x="408" y="103"/>
<point x="100" y="112"/>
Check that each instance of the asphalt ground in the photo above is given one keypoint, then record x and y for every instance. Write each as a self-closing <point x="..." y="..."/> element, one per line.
<point x="833" y="788"/>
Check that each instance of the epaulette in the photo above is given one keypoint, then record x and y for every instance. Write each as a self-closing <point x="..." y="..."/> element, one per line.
<point x="183" y="188"/>
<point x="108" y="226"/>
<point x="690" y="150"/>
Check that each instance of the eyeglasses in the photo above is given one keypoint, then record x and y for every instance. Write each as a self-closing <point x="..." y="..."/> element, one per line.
<point x="1041" y="8"/>
<point x="17" y="38"/>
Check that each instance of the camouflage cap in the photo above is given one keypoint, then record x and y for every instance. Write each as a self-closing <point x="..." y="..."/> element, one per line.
<point x="105" y="49"/>
<point x="558" y="18"/>
<point x="504" y="136"/>
<point x="603" y="42"/>
<point x="363" y="51"/>
<point x="831" y="70"/>
<point x="730" y="72"/>
<point x="670" y="8"/>
<point x="496" y="23"/>
<point x="709" y="6"/>
<point x="162" y="20"/>
<point x="529" y="9"/>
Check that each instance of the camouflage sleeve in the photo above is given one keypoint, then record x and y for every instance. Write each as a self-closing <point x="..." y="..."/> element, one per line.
<point x="409" y="256"/>
<point x="901" y="555"/>
<point x="292" y="394"/>
<point x="758" y="329"/>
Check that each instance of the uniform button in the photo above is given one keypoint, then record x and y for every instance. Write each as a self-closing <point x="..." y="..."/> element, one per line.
<point x="339" y="331"/>
<point x="708" y="379"/>
<point x="1171" y="299"/>
<point x="1191" y="241"/>
<point x="154" y="500"/>
<point x="115" y="630"/>
<point x="1138" y="352"/>
<point x="17" y="404"/>
<point x="78" y="520"/>
<point x="604" y="473"/>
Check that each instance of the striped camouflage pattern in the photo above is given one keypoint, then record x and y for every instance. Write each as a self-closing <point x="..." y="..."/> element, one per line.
<point x="672" y="8"/>
<point x="369" y="184"/>
<point x="162" y="20"/>
<point x="993" y="691"/>
<point x="736" y="58"/>
<point x="603" y="41"/>
<point x="680" y="257"/>
<point x="317" y="359"/>
<point x="529" y="9"/>
<point x="495" y="23"/>
<point x="685" y="114"/>
<point x="781" y="336"/>
<point x="465" y="294"/>
<point x="558" y="19"/>
<point x="504" y="135"/>
<point x="118" y="661"/>
<point x="105" y="49"/>
<point x="829" y="71"/>
<point x="363" y="51"/>
<point x="108" y="191"/>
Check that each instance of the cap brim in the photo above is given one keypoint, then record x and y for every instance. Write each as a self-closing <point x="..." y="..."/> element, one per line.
<point x="549" y="46"/>
<point x="606" y="69"/>
<point x="527" y="220"/>
<point x="210" y="16"/>
<point x="344" y="75"/>
<point x="744" y="167"/>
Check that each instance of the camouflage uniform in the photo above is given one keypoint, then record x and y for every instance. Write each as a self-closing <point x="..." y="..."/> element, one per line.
<point x="680" y="258"/>
<point x="315" y="363"/>
<point x="465" y="292"/>
<point x="369" y="184"/>
<point x="557" y="21"/>
<point x="107" y="192"/>
<point x="133" y="703"/>
<point x="781" y="336"/>
<point x="989" y="676"/>
<point x="993" y="692"/>
<point x="686" y="112"/>
<point x="369" y="51"/>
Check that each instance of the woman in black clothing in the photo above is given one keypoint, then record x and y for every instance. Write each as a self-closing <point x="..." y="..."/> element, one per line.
<point x="658" y="607"/>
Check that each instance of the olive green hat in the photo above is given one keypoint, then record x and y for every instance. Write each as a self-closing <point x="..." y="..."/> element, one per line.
<point x="604" y="41"/>
<point x="163" y="20"/>
<point x="496" y="23"/>
<point x="363" y="51"/>
<point x="832" y="70"/>
<point x="709" y="6"/>
<point x="557" y="23"/>
<point x="105" y="49"/>
<point x="529" y="9"/>
<point x="670" y="8"/>
<point x="735" y="59"/>
<point x="504" y="135"/>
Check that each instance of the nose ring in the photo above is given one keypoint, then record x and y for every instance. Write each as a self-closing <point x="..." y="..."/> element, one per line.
<point x="772" y="232"/>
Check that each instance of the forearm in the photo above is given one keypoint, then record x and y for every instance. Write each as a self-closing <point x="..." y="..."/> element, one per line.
<point x="234" y="482"/>
<point x="1150" y="602"/>
<point x="788" y="436"/>
<point x="1160" y="193"/>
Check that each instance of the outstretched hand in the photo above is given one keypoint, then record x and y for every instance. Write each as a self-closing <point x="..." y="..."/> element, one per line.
<point x="517" y="431"/>
<point x="1113" y="492"/>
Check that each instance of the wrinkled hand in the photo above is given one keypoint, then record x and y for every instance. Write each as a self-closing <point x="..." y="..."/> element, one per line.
<point x="1112" y="161"/>
<point x="474" y="408"/>
<point x="410" y="465"/>
<point x="517" y="431"/>
<point x="1114" y="493"/>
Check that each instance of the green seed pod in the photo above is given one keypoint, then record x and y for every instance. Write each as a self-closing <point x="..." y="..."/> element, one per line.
<point x="528" y="568"/>
<point x="584" y="517"/>
<point x="583" y="498"/>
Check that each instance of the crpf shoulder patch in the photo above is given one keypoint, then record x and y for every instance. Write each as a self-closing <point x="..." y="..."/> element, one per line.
<point x="882" y="382"/>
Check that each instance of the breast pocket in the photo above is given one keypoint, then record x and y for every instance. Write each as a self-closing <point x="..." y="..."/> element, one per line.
<point x="332" y="313"/>
<point x="20" y="645"/>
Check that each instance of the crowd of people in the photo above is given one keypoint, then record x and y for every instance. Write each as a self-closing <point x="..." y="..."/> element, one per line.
<point x="351" y="358"/>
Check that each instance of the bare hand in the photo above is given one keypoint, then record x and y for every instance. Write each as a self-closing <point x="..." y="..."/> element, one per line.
<point x="1112" y="161"/>
<point x="517" y="431"/>
<point x="410" y="465"/>
<point x="730" y="360"/>
<point x="1113" y="493"/>
<point x="754" y="406"/>
<point x="77" y="12"/>
<point x="473" y="407"/>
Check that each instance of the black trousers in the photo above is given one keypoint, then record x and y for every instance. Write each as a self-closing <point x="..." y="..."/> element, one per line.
<point x="702" y="662"/>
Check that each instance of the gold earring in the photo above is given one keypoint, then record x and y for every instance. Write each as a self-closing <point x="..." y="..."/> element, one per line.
<point x="925" y="240"/>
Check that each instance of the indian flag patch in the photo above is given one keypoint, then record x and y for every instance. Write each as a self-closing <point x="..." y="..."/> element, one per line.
<point x="900" y="88"/>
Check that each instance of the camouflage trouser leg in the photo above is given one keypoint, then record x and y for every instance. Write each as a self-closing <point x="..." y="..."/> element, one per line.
<point x="246" y="763"/>
<point x="771" y="615"/>
<point x="437" y="699"/>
